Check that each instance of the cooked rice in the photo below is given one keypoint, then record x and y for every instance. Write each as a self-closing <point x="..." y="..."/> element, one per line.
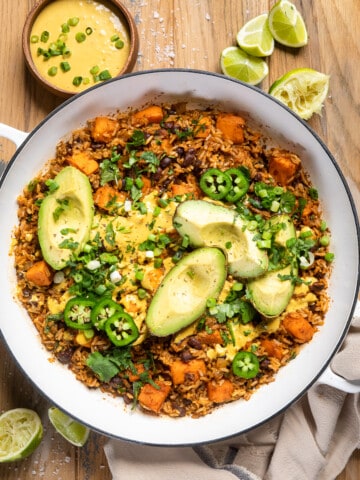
<point x="184" y="158"/>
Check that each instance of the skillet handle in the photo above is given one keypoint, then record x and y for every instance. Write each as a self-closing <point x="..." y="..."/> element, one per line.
<point x="333" y="380"/>
<point x="13" y="134"/>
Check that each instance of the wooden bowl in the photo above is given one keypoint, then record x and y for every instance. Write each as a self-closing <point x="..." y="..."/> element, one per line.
<point x="116" y="7"/>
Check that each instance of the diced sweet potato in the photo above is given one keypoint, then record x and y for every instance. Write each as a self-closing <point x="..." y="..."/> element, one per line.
<point x="104" y="129"/>
<point x="106" y="197"/>
<point x="152" y="114"/>
<point x="40" y="274"/>
<point x="190" y="371"/>
<point x="220" y="392"/>
<point x="273" y="348"/>
<point x="283" y="166"/>
<point x="210" y="338"/>
<point x="179" y="189"/>
<point x="232" y="127"/>
<point x="83" y="162"/>
<point x="152" y="398"/>
<point x="133" y="377"/>
<point x="299" y="327"/>
<point x="146" y="188"/>
<point x="203" y="127"/>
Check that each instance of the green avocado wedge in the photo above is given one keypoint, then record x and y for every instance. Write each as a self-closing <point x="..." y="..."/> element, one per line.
<point x="65" y="217"/>
<point x="210" y="225"/>
<point x="182" y="295"/>
<point x="270" y="294"/>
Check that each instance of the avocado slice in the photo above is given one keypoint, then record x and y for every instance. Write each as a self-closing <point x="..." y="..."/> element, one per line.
<point x="269" y="294"/>
<point x="210" y="225"/>
<point x="182" y="295"/>
<point x="65" y="217"/>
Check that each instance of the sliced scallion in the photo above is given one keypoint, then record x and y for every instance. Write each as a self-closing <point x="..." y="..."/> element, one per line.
<point x="114" y="38"/>
<point x="77" y="81"/>
<point x="72" y="22"/>
<point x="104" y="75"/>
<point x="119" y="44"/>
<point x="88" y="30"/>
<point x="65" y="66"/>
<point x="52" y="71"/>
<point x="45" y="36"/>
<point x="34" y="38"/>
<point x="80" y="37"/>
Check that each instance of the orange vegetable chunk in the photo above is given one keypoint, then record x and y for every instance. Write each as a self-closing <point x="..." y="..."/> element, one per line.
<point x="232" y="127"/>
<point x="104" y="129"/>
<point x="152" y="114"/>
<point x="152" y="398"/>
<point x="83" y="162"/>
<point x="106" y="197"/>
<point x="191" y="371"/>
<point x="283" y="166"/>
<point x="40" y="274"/>
<point x="220" y="392"/>
<point x="299" y="327"/>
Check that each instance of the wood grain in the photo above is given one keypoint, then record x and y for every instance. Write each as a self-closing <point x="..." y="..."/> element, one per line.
<point x="184" y="34"/>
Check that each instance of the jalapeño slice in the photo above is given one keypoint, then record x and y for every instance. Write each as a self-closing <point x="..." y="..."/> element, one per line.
<point x="121" y="329"/>
<point x="245" y="364"/>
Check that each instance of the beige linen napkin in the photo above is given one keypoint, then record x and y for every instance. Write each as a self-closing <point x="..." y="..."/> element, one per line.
<point x="312" y="440"/>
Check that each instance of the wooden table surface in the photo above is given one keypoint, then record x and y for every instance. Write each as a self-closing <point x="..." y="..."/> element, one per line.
<point x="190" y="34"/>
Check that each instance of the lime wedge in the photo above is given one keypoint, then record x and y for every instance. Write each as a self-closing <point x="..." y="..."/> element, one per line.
<point x="255" y="37"/>
<point x="287" y="25"/>
<point x="21" y="432"/>
<point x="73" y="431"/>
<point x="236" y="63"/>
<point x="303" y="90"/>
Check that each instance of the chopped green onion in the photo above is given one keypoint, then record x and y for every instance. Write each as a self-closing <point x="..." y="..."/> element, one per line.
<point x="94" y="70"/>
<point x="329" y="257"/>
<point x="45" y="36"/>
<point x="73" y="21"/>
<point x="88" y="30"/>
<point x="114" y="38"/>
<point x="86" y="80"/>
<point x="141" y="293"/>
<point x="77" y="81"/>
<point x="65" y="28"/>
<point x="66" y="53"/>
<point x="104" y="75"/>
<point x="34" y="38"/>
<point x="119" y="44"/>
<point x="80" y="37"/>
<point x="65" y="66"/>
<point x="324" y="240"/>
<point x="52" y="71"/>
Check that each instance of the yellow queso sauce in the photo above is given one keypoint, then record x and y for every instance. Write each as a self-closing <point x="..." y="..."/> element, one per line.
<point x="77" y="43"/>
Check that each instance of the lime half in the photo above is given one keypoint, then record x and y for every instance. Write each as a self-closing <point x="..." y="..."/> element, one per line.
<point x="21" y="432"/>
<point x="287" y="25"/>
<point x="236" y="63"/>
<point x="73" y="431"/>
<point x="303" y="90"/>
<point x="255" y="37"/>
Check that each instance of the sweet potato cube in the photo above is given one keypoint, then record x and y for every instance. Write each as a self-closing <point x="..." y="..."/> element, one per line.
<point x="152" y="398"/>
<point x="187" y="371"/>
<point x="220" y="392"/>
<point x="299" y="327"/>
<point x="152" y="114"/>
<point x="106" y="197"/>
<point x="133" y="377"/>
<point x="232" y="127"/>
<point x="104" y="129"/>
<point x="83" y="162"/>
<point x="273" y="348"/>
<point x="210" y="338"/>
<point x="40" y="274"/>
<point x="283" y="166"/>
<point x="203" y="127"/>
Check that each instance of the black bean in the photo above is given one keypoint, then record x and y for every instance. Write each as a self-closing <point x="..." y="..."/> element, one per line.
<point x="194" y="342"/>
<point x="190" y="158"/>
<point x="186" y="356"/>
<point x="165" y="162"/>
<point x="180" y="151"/>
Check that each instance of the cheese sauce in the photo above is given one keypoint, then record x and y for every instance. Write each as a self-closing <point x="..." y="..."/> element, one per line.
<point x="94" y="40"/>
